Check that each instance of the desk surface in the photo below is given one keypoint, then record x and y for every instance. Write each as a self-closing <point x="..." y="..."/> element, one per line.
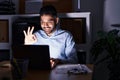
<point x="47" y="75"/>
<point x="52" y="75"/>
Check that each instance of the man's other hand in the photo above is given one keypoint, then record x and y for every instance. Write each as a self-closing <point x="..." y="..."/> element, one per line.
<point x="54" y="62"/>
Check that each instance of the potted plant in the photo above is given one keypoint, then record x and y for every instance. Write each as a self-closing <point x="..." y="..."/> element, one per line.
<point x="108" y="42"/>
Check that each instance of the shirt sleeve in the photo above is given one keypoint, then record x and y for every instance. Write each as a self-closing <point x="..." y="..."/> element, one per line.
<point x="70" y="50"/>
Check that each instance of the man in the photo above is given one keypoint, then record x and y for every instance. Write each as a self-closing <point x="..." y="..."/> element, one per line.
<point x="61" y="43"/>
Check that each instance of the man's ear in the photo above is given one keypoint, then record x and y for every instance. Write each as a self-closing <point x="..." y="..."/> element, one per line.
<point x="57" y="20"/>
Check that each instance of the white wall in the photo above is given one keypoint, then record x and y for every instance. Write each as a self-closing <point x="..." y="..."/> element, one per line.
<point x="96" y="7"/>
<point x="111" y="14"/>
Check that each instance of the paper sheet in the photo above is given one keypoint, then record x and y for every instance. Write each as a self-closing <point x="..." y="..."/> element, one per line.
<point x="73" y="68"/>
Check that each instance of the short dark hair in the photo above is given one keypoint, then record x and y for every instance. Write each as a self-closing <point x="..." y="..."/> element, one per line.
<point x="48" y="10"/>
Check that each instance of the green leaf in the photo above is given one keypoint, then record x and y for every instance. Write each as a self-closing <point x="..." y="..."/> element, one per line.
<point x="108" y="41"/>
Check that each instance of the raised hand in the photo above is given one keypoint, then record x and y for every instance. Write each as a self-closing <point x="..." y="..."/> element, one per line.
<point x="30" y="38"/>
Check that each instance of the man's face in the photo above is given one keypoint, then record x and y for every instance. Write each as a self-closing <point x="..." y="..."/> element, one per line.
<point x="48" y="23"/>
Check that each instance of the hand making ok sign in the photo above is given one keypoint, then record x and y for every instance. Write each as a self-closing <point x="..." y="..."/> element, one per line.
<point x="30" y="38"/>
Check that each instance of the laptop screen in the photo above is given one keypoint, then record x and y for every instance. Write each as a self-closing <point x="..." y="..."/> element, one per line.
<point x="38" y="55"/>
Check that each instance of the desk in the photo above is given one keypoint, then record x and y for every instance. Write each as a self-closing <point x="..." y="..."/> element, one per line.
<point x="52" y="75"/>
<point x="45" y="74"/>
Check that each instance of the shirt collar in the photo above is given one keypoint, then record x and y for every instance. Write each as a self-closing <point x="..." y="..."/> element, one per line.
<point x="53" y="34"/>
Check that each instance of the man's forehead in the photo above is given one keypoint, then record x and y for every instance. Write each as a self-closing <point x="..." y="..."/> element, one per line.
<point x="47" y="17"/>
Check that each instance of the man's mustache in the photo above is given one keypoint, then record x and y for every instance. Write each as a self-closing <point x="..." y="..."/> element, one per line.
<point x="47" y="27"/>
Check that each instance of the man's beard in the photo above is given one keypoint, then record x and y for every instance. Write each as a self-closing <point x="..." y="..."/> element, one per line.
<point x="48" y="30"/>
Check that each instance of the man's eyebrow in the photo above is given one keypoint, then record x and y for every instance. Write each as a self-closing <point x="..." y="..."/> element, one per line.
<point x="51" y="19"/>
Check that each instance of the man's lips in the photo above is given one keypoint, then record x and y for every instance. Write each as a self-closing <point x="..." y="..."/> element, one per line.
<point x="47" y="28"/>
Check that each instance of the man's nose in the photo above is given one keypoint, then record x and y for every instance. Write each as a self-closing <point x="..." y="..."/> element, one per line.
<point x="45" y="24"/>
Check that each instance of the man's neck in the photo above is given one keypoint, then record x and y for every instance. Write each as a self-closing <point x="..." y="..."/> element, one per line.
<point x="49" y="34"/>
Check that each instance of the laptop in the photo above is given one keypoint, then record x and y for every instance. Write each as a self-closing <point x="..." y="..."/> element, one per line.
<point x="38" y="55"/>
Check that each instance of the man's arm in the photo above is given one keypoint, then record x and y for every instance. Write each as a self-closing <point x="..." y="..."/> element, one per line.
<point x="70" y="50"/>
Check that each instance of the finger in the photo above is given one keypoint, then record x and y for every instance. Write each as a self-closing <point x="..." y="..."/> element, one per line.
<point x="24" y="32"/>
<point x="34" y="37"/>
<point x="51" y="61"/>
<point x="52" y="64"/>
<point x="32" y="30"/>
<point x="28" y="31"/>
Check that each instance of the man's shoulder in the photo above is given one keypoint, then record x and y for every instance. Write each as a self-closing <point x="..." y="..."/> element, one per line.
<point x="64" y="31"/>
<point x="39" y="32"/>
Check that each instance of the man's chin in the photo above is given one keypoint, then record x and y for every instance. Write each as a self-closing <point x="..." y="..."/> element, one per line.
<point x="48" y="31"/>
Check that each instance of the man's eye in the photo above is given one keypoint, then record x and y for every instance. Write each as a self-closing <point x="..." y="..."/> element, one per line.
<point x="50" y="22"/>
